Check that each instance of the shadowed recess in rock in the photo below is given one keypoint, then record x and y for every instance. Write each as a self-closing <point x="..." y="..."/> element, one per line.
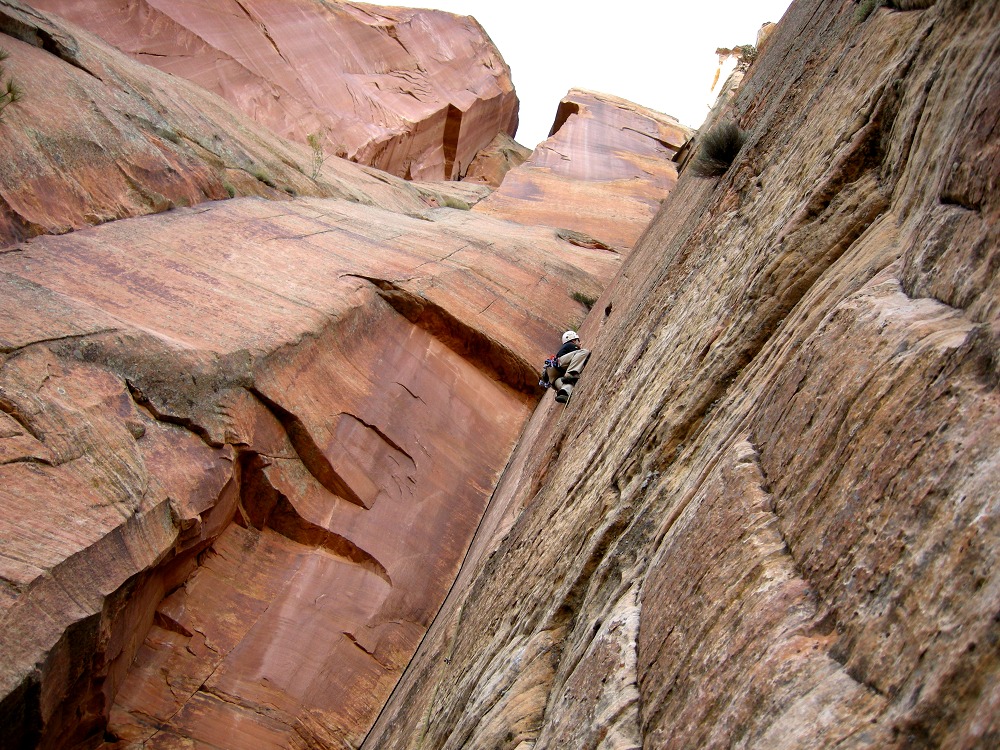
<point x="312" y="457"/>
<point x="488" y="355"/>
<point x="452" y="131"/>
<point x="563" y="113"/>
<point x="266" y="507"/>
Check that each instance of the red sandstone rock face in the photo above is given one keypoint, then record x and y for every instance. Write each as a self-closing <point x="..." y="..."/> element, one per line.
<point x="416" y="93"/>
<point x="99" y="137"/>
<point x="264" y="433"/>
<point x="777" y="477"/>
<point x="243" y="445"/>
<point x="602" y="172"/>
<point x="213" y="457"/>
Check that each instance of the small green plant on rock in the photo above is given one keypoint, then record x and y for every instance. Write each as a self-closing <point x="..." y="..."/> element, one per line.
<point x="584" y="299"/>
<point x="261" y="174"/>
<point x="866" y="8"/>
<point x="10" y="91"/>
<point x="747" y="54"/>
<point x="718" y="149"/>
<point x="315" y="141"/>
<point x="319" y="155"/>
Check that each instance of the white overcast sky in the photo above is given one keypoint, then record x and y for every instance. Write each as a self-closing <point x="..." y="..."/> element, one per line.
<point x="658" y="53"/>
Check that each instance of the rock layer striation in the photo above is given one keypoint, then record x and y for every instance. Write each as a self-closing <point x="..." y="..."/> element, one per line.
<point x="416" y="93"/>
<point x="768" y="518"/>
<point x="99" y="137"/>
<point x="245" y="446"/>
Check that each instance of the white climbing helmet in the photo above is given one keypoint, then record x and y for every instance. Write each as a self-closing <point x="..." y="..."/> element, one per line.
<point x="570" y="336"/>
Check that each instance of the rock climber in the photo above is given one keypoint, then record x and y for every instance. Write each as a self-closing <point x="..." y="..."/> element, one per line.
<point x="563" y="369"/>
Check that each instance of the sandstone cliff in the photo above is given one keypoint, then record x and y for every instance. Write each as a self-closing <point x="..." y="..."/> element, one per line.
<point x="99" y="137"/>
<point x="416" y="93"/>
<point x="768" y="518"/>
<point x="263" y="433"/>
<point x="607" y="163"/>
<point x="244" y="444"/>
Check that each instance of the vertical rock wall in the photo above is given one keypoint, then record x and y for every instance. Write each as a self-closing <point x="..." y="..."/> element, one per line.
<point x="243" y="449"/>
<point x="768" y="518"/>
<point x="243" y="444"/>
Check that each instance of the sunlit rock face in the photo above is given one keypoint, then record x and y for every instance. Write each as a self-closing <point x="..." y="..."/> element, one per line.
<point x="602" y="172"/>
<point x="768" y="518"/>
<point x="416" y="93"/>
<point x="245" y="445"/>
<point x="493" y="163"/>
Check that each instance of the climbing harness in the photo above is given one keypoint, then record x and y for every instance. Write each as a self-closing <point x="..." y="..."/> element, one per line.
<point x="544" y="379"/>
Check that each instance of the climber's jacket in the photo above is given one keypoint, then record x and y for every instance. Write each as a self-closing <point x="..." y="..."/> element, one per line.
<point x="569" y="346"/>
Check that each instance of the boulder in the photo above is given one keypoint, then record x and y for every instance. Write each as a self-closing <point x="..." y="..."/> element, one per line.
<point x="493" y="163"/>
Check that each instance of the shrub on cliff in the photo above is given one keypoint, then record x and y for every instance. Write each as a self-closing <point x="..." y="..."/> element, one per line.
<point x="315" y="141"/>
<point x="718" y="149"/>
<point x="584" y="299"/>
<point x="747" y="54"/>
<point x="10" y="92"/>
<point x="866" y="8"/>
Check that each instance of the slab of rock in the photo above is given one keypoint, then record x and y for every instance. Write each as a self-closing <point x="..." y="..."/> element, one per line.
<point x="244" y="446"/>
<point x="416" y="93"/>
<point x="451" y="194"/>
<point x="603" y="170"/>
<point x="98" y="136"/>
<point x="782" y="458"/>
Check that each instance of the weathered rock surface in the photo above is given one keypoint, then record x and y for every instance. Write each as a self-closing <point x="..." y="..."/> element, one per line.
<point x="451" y="194"/>
<point x="602" y="172"/>
<point x="768" y="518"/>
<point x="493" y="163"/>
<point x="416" y="93"/>
<point x="243" y="444"/>
<point x="99" y="137"/>
<point x="264" y="433"/>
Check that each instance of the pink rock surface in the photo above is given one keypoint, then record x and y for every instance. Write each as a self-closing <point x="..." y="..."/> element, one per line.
<point x="492" y="164"/>
<point x="99" y="137"/>
<point x="603" y="172"/>
<point x="416" y="93"/>
<point x="264" y="433"/>
<point x="768" y="518"/>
